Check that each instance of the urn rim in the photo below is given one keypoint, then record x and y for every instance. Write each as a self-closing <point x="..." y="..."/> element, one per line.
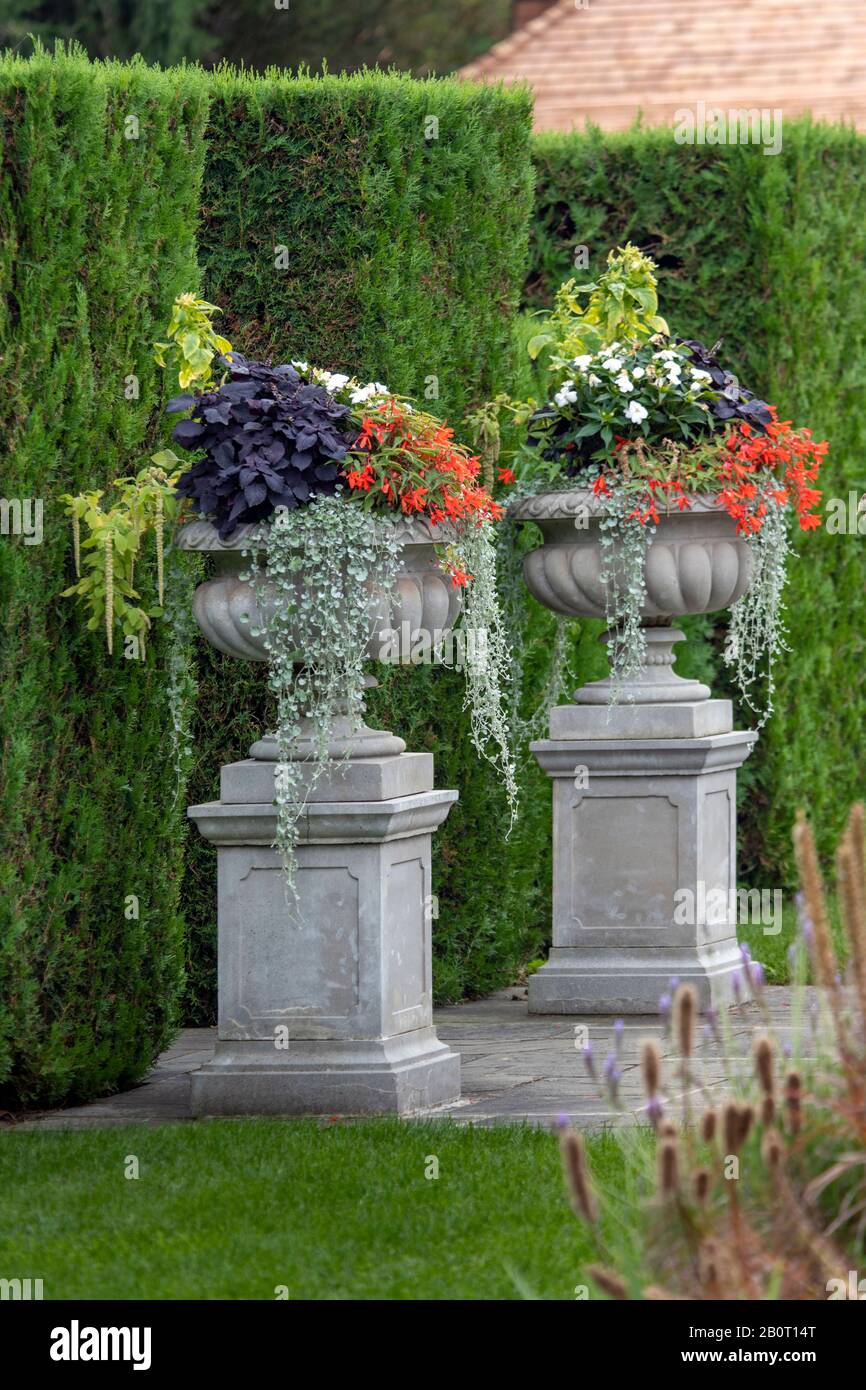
<point x="202" y="534"/>
<point x="558" y="505"/>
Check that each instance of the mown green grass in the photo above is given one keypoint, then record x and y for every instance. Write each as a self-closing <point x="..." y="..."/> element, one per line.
<point x="773" y="951"/>
<point x="232" y="1209"/>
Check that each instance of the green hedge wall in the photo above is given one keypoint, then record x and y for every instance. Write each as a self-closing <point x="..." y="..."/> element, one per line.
<point x="96" y="238"/>
<point x="768" y="253"/>
<point x="404" y="209"/>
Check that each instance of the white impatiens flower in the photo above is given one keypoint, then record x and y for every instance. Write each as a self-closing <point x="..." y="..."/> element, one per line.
<point x="624" y="382"/>
<point x="594" y="380"/>
<point x="666" y="355"/>
<point x="635" y="412"/>
<point x="303" y="367"/>
<point x="700" y="376"/>
<point x="583" y="361"/>
<point x="365" y="393"/>
<point x="334" y="381"/>
<point x="637" y="373"/>
<point x="613" y="364"/>
<point x="566" y="395"/>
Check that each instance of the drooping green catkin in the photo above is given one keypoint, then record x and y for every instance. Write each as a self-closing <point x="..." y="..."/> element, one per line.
<point x="108" y="550"/>
<point x="76" y="543"/>
<point x="103" y="233"/>
<point x="159" y="531"/>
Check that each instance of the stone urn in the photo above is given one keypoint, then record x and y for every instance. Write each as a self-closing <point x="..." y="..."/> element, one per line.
<point x="695" y="563"/>
<point x="644" y="788"/>
<point x="325" y="994"/>
<point x="227" y="610"/>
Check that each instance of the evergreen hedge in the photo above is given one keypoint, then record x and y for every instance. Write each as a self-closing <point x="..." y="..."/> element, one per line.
<point x="768" y="253"/>
<point x="96" y="238"/>
<point x="403" y="208"/>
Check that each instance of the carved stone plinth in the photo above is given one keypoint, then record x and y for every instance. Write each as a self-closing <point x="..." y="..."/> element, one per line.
<point x="325" y="1001"/>
<point x="644" y="836"/>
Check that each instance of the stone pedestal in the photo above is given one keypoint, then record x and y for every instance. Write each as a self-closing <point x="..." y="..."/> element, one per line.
<point x="644" y="847"/>
<point x="325" y="1001"/>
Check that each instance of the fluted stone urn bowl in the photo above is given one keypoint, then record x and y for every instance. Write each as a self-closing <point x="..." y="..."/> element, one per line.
<point x="695" y="563"/>
<point x="227" y="610"/>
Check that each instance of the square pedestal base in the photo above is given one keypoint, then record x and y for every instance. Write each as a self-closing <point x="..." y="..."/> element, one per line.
<point x="644" y="856"/>
<point x="396" y="1076"/>
<point x="630" y="982"/>
<point x="325" y="999"/>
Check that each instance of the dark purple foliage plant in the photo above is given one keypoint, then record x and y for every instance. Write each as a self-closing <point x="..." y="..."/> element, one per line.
<point x="267" y="438"/>
<point x="734" y="402"/>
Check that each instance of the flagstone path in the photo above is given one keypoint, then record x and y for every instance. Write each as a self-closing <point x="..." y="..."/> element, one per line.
<point x="517" y="1067"/>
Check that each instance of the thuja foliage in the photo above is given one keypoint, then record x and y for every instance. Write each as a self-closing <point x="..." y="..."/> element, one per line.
<point x="768" y="255"/>
<point x="378" y="225"/>
<point x="162" y="31"/>
<point x="374" y="223"/>
<point x="96" y="239"/>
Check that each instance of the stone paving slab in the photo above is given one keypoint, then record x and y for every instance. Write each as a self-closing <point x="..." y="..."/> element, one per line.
<point x="516" y="1067"/>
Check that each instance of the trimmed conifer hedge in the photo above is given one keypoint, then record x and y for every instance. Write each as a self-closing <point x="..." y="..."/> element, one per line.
<point x="769" y="254"/>
<point x="377" y="225"/>
<point x="99" y="192"/>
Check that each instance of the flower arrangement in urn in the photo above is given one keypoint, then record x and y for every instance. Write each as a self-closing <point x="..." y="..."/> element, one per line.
<point x="646" y="427"/>
<point x="341" y="516"/>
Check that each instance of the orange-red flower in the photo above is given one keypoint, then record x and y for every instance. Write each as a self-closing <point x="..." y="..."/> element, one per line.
<point x="411" y="461"/>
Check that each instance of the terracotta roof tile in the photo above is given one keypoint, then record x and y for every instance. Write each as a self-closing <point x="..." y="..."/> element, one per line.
<point x="612" y="58"/>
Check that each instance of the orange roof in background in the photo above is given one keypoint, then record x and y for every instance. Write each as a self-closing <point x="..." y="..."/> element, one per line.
<point x="607" y="61"/>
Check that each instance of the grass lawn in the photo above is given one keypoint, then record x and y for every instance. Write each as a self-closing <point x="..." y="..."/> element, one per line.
<point x="233" y="1208"/>
<point x="773" y="951"/>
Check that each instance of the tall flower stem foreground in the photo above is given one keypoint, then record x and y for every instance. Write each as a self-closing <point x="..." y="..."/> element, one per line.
<point x="761" y="1195"/>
